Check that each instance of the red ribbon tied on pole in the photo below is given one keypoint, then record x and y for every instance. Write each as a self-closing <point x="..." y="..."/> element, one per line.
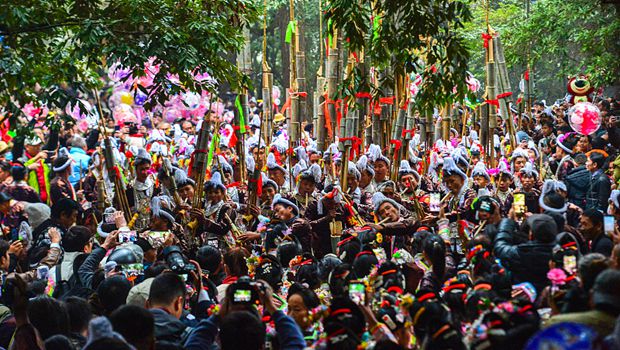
<point x="328" y="119"/>
<point x="386" y="100"/>
<point x="504" y="95"/>
<point x="336" y="104"/>
<point x="492" y="102"/>
<point x="259" y="185"/>
<point x="397" y="145"/>
<point x="411" y="132"/>
<point x="486" y="37"/>
<point x="356" y="144"/>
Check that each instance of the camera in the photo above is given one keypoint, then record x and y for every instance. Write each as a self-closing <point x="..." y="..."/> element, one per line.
<point x="133" y="128"/>
<point x="176" y="261"/>
<point x="245" y="291"/>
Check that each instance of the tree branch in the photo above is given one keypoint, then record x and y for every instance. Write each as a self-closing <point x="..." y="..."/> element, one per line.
<point x="41" y="28"/>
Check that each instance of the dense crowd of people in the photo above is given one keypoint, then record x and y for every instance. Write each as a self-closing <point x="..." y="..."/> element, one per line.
<point x="110" y="243"/>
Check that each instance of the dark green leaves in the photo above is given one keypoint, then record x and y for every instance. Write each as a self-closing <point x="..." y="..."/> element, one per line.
<point x="403" y="37"/>
<point x="68" y="43"/>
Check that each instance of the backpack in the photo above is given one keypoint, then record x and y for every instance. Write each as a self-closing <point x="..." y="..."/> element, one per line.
<point x="71" y="288"/>
<point x="63" y="287"/>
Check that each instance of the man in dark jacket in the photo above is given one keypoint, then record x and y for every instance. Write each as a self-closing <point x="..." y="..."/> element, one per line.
<point x="528" y="262"/>
<point x="166" y="300"/>
<point x="578" y="181"/>
<point x="600" y="186"/>
<point x="592" y="228"/>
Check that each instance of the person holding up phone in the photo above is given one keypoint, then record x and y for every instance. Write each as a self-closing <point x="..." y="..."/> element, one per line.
<point x="614" y="210"/>
<point x="234" y="319"/>
<point x="6" y="249"/>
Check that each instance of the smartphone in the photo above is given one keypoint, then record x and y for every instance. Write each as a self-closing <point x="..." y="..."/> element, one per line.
<point x="610" y="225"/>
<point x="127" y="236"/>
<point x="570" y="263"/>
<point x="357" y="292"/>
<point x="519" y="203"/>
<point x="108" y="215"/>
<point x="380" y="253"/>
<point x="242" y="296"/>
<point x="160" y="235"/>
<point x="435" y="202"/>
<point x="214" y="243"/>
<point x="132" y="270"/>
<point x="43" y="272"/>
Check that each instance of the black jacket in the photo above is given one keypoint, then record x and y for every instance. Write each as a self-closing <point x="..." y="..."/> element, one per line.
<point x="602" y="244"/>
<point x="528" y="262"/>
<point x="577" y="184"/>
<point x="86" y="272"/>
<point x="169" y="328"/>
<point x="599" y="192"/>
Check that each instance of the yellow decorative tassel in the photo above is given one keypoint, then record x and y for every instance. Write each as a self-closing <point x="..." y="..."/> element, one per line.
<point x="133" y="220"/>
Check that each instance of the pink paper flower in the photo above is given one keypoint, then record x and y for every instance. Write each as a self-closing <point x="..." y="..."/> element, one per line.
<point x="557" y="277"/>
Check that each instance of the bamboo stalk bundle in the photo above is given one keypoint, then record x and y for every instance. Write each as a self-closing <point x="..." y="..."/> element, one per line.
<point x="332" y="82"/>
<point x="319" y="103"/>
<point x="293" y="124"/>
<point x="491" y="93"/>
<point x="267" y="116"/>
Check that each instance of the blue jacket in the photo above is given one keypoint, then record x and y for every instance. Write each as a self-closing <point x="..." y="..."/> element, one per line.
<point x="81" y="158"/>
<point x="288" y="333"/>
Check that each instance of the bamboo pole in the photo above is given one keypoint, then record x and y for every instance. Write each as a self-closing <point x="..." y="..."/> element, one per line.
<point x="300" y="65"/>
<point x="293" y="131"/>
<point x="321" y="131"/>
<point x="504" y="89"/>
<point x="386" y="117"/>
<point x="446" y="121"/>
<point x="244" y="62"/>
<point x="491" y="93"/>
<point x="484" y="128"/>
<point x="267" y="117"/>
<point x="399" y="118"/>
<point x="332" y="82"/>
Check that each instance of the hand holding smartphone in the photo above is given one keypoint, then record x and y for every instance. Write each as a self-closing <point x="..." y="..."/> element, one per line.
<point x="125" y="236"/>
<point x="519" y="204"/>
<point x="610" y="225"/>
<point x="357" y="292"/>
<point x="435" y="202"/>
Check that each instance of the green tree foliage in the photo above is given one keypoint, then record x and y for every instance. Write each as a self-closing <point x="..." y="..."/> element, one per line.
<point x="52" y="48"/>
<point x="409" y="36"/>
<point x="576" y="36"/>
<point x="503" y="18"/>
<point x="563" y="38"/>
